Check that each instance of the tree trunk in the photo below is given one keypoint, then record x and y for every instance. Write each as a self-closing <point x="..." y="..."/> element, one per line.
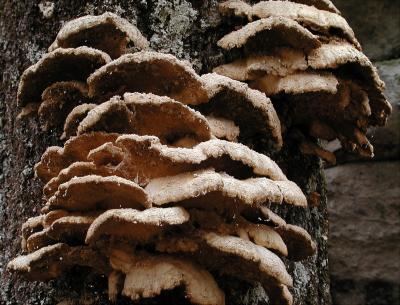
<point x="187" y="29"/>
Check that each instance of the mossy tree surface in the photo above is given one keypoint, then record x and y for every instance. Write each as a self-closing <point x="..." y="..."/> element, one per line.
<point x="187" y="29"/>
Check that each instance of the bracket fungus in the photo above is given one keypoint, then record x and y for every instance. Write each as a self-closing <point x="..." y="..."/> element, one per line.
<point x="305" y="57"/>
<point x="156" y="186"/>
<point x="108" y="32"/>
<point x="72" y="64"/>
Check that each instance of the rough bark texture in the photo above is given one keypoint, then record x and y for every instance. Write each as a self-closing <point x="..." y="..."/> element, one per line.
<point x="187" y="29"/>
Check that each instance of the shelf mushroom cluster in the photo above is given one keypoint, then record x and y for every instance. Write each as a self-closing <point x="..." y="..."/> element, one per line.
<point x="154" y="186"/>
<point x="305" y="57"/>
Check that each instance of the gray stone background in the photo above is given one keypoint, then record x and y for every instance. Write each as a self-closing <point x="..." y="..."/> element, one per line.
<point x="364" y="196"/>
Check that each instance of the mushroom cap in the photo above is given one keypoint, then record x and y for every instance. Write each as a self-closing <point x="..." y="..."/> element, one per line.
<point x="268" y="33"/>
<point x="353" y="64"/>
<point x="74" y="118"/>
<point x="279" y="62"/>
<point x="206" y="189"/>
<point x="58" y="100"/>
<point x="250" y="109"/>
<point x="107" y="32"/>
<point x="57" y="66"/>
<point x="49" y="262"/>
<point x="236" y="225"/>
<point x="230" y="255"/>
<point x="326" y="5"/>
<point x="147" y="276"/>
<point x="298" y="241"/>
<point x="310" y="17"/>
<point x="77" y="169"/>
<point x="144" y="72"/>
<point x="143" y="158"/>
<point x="268" y="263"/>
<point x="135" y="225"/>
<point x="242" y="9"/>
<point x="94" y="192"/>
<point x="38" y="240"/>
<point x="147" y="114"/>
<point x="61" y="226"/>
<point x="32" y="225"/>
<point x="75" y="149"/>
<point x="236" y="8"/>
<point x="223" y="155"/>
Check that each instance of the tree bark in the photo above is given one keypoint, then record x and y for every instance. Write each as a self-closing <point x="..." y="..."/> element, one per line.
<point x="187" y="29"/>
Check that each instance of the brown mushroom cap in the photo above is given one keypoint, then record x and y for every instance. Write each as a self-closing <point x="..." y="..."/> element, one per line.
<point x="147" y="114"/>
<point x="233" y="158"/>
<point x="49" y="262"/>
<point x="232" y="256"/>
<point x="206" y="189"/>
<point x="62" y="226"/>
<point x="279" y="62"/>
<point x="310" y="17"/>
<point x="59" y="65"/>
<point x="250" y="109"/>
<point x="259" y="234"/>
<point x="144" y="72"/>
<point x="32" y="225"/>
<point x="353" y="64"/>
<point x="265" y="34"/>
<point x="77" y="169"/>
<point x="94" y="192"/>
<point x="326" y="5"/>
<point x="135" y="225"/>
<point x="74" y="118"/>
<point x="76" y="149"/>
<point x="38" y="240"/>
<point x="148" y="275"/>
<point x="107" y="32"/>
<point x="299" y="243"/>
<point x="142" y="158"/>
<point x="58" y="100"/>
<point x="242" y="9"/>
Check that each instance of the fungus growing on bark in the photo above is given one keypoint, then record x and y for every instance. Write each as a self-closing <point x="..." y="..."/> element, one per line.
<point x="145" y="72"/>
<point x="140" y="113"/>
<point x="76" y="149"/>
<point x="305" y="57"/>
<point x="58" y="66"/>
<point x="135" y="225"/>
<point x="142" y="158"/>
<point x="150" y="189"/>
<point x="58" y="100"/>
<point x="74" y="118"/>
<point x="95" y="192"/>
<point x="310" y="17"/>
<point x="241" y="9"/>
<point x="249" y="109"/>
<point x="148" y="275"/>
<point x="107" y="32"/>
<point x="49" y="262"/>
